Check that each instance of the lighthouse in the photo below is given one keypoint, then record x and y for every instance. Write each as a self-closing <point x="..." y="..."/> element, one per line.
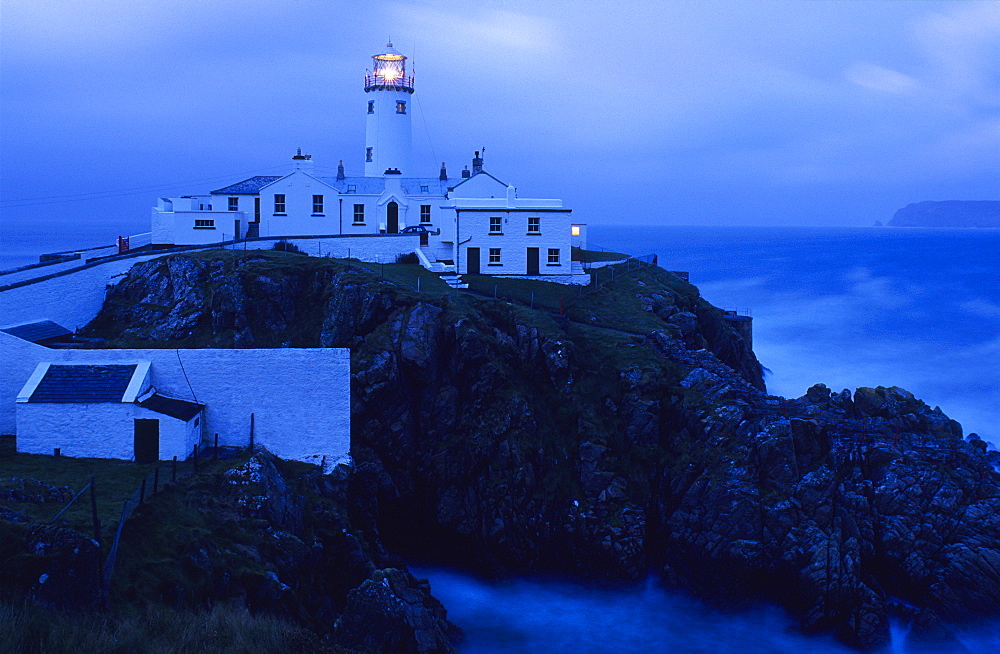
<point x="388" y="140"/>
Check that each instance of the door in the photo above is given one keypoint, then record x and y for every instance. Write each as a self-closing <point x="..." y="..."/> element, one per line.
<point x="256" y="210"/>
<point x="532" y="261"/>
<point x="392" y="218"/>
<point x="472" y="257"/>
<point x="236" y="230"/>
<point x="147" y="440"/>
<point x="425" y="239"/>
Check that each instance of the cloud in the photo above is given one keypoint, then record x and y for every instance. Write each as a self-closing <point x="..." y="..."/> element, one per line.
<point x="878" y="78"/>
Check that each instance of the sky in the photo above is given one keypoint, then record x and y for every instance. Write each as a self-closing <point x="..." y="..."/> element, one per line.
<point x="802" y="112"/>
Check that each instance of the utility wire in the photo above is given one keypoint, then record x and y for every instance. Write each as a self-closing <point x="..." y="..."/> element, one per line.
<point x="97" y="195"/>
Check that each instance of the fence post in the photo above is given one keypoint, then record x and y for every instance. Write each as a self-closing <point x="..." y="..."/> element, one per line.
<point x="418" y="285"/>
<point x="55" y="453"/>
<point x="251" y="432"/>
<point x="173" y="472"/>
<point x="156" y="478"/>
<point x="532" y="299"/>
<point x="196" y="457"/>
<point x="142" y="491"/>
<point x="560" y="305"/>
<point x="215" y="453"/>
<point x="494" y="291"/>
<point x="93" y="511"/>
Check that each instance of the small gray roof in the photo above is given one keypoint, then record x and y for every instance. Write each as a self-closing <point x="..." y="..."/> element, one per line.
<point x="84" y="383"/>
<point x="248" y="186"/>
<point x="37" y="332"/>
<point x="171" y="406"/>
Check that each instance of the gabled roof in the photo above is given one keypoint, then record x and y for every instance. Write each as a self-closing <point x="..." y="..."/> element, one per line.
<point x="84" y="383"/>
<point x="171" y="406"/>
<point x="37" y="332"/>
<point x="469" y="179"/>
<point x="248" y="186"/>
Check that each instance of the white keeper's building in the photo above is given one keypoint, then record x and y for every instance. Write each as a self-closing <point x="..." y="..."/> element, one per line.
<point x="474" y="224"/>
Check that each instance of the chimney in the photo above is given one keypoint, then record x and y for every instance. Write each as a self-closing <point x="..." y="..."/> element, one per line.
<point x="465" y="173"/>
<point x="340" y="170"/>
<point x="444" y="173"/>
<point x="477" y="164"/>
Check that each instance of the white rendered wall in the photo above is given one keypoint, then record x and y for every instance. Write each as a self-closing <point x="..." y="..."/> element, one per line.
<point x="178" y="227"/>
<point x="474" y="231"/>
<point x="300" y="398"/>
<point x="103" y="430"/>
<point x="19" y="359"/>
<point x="298" y="189"/>
<point x="388" y="133"/>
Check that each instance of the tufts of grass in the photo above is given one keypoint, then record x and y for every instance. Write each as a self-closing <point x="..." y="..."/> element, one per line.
<point x="30" y="629"/>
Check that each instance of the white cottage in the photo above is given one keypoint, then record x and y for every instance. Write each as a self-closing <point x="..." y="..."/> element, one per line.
<point x="473" y="224"/>
<point x="105" y="410"/>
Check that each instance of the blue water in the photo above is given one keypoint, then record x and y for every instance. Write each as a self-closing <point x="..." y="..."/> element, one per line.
<point x="850" y="307"/>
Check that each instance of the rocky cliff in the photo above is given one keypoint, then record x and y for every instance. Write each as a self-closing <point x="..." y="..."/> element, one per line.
<point x="632" y="434"/>
<point x="951" y="213"/>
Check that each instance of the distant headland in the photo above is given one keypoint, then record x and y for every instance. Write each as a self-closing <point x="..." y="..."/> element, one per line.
<point x="950" y="213"/>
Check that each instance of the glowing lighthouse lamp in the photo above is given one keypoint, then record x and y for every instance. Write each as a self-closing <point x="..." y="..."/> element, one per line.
<point x="388" y="139"/>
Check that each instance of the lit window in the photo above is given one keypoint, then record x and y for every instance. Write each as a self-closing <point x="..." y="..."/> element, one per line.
<point x="496" y="225"/>
<point x="534" y="225"/>
<point x="359" y="213"/>
<point x="576" y="230"/>
<point x="371" y="106"/>
<point x="318" y="204"/>
<point x="425" y="213"/>
<point x="494" y="256"/>
<point x="204" y="224"/>
<point x="234" y="204"/>
<point x="368" y="154"/>
<point x="401" y="106"/>
<point x="279" y="203"/>
<point x="553" y="256"/>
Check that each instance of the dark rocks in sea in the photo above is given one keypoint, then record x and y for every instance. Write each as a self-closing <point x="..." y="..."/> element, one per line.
<point x="632" y="434"/>
<point x="949" y="213"/>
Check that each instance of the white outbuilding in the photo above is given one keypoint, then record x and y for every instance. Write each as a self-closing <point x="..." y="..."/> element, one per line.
<point x="104" y="410"/>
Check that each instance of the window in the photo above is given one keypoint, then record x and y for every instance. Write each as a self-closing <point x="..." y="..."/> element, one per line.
<point x="351" y="188"/>
<point x="425" y="213"/>
<point x="318" y="205"/>
<point x="279" y="203"/>
<point x="553" y="256"/>
<point x="495" y="257"/>
<point x="401" y="106"/>
<point x="234" y="204"/>
<point x="368" y="154"/>
<point x="202" y="223"/>
<point x="425" y="189"/>
<point x="496" y="225"/>
<point x="359" y="214"/>
<point x="575" y="230"/>
<point x="534" y="225"/>
<point x="371" y="106"/>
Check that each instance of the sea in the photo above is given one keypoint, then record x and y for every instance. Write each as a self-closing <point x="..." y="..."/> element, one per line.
<point x="843" y="306"/>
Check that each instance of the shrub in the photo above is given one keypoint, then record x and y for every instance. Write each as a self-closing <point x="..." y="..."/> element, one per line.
<point x="285" y="246"/>
<point x="409" y="257"/>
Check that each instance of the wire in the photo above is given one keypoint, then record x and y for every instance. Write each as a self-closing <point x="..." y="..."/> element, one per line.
<point x="97" y="195"/>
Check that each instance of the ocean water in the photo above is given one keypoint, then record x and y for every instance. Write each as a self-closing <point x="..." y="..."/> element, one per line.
<point x="850" y="307"/>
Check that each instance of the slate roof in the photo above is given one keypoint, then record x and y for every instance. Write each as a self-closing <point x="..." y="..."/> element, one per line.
<point x="248" y="186"/>
<point x="375" y="185"/>
<point x="171" y="406"/>
<point x="37" y="332"/>
<point x="83" y="383"/>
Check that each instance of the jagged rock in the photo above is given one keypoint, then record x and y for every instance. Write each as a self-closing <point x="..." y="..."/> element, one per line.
<point x="394" y="612"/>
<point x="63" y="566"/>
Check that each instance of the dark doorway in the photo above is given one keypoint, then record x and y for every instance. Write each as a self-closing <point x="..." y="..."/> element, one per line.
<point x="425" y="239"/>
<point x="256" y="210"/>
<point x="236" y="230"/>
<point x="473" y="261"/>
<point x="532" y="261"/>
<point x="392" y="218"/>
<point x="147" y="440"/>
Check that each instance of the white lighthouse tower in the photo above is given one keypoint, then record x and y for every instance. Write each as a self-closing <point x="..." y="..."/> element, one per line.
<point x="388" y="140"/>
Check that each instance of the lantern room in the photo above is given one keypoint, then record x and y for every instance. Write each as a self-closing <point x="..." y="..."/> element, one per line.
<point x="388" y="71"/>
